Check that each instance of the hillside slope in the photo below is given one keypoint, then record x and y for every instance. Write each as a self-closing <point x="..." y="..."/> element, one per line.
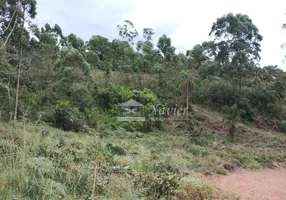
<point x="40" y="162"/>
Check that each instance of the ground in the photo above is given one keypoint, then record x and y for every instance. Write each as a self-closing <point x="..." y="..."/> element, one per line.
<point x="267" y="184"/>
<point x="263" y="184"/>
<point x="40" y="162"/>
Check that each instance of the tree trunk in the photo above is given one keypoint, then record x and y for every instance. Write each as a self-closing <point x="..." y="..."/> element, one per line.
<point x="18" y="85"/>
<point x="10" y="34"/>
<point x="9" y="99"/>
<point x="188" y="84"/>
<point x="19" y="68"/>
<point x="187" y="106"/>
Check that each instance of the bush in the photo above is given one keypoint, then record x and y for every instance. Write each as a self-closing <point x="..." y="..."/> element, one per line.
<point x="164" y="165"/>
<point x="109" y="98"/>
<point x="276" y="111"/>
<point x="159" y="185"/>
<point x="261" y="99"/>
<point x="193" y="188"/>
<point x="215" y="93"/>
<point x="226" y="109"/>
<point x="198" y="150"/>
<point x="115" y="150"/>
<point x="282" y="126"/>
<point x="246" y="110"/>
<point x="66" y="117"/>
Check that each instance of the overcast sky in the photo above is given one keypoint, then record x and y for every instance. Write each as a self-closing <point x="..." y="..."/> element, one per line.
<point x="187" y="22"/>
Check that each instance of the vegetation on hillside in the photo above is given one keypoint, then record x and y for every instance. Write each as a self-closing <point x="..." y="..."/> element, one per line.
<point x="40" y="162"/>
<point x="59" y="133"/>
<point x="70" y="83"/>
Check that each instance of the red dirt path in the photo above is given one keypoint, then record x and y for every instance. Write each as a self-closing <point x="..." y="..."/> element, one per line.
<point x="268" y="184"/>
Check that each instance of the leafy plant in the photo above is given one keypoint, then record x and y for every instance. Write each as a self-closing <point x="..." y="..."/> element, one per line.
<point x="158" y="185"/>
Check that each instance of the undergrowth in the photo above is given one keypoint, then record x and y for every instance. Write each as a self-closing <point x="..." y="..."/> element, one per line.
<point x="40" y="162"/>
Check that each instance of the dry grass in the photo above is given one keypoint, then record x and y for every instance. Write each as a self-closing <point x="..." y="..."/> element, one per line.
<point x="67" y="165"/>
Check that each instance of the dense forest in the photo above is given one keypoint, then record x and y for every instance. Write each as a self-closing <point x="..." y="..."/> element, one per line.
<point x="73" y="84"/>
<point x="48" y="79"/>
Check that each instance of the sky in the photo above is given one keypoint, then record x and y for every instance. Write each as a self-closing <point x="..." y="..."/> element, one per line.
<point x="186" y="22"/>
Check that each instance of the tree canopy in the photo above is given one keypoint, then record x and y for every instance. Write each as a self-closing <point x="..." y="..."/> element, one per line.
<point x="62" y="80"/>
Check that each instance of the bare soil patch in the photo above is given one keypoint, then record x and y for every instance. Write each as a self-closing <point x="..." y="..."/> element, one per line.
<point x="267" y="184"/>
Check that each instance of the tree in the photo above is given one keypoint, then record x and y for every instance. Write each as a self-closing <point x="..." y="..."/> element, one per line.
<point x="47" y="36"/>
<point x="6" y="20"/>
<point x="123" y="55"/>
<point x="127" y="31"/>
<point x="186" y="84"/>
<point x="283" y="45"/>
<point x="14" y="16"/>
<point x="5" y="86"/>
<point x="68" y="102"/>
<point x="148" y="55"/>
<point x="76" y="42"/>
<point x="167" y="50"/>
<point x="237" y="42"/>
<point x="197" y="55"/>
<point x="148" y="34"/>
<point x="43" y="52"/>
<point x="208" y="70"/>
<point x="233" y="117"/>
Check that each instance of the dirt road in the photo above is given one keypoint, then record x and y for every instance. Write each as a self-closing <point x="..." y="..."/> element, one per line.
<point x="268" y="184"/>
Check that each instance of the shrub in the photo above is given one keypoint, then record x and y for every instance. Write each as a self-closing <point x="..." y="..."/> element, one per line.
<point x="67" y="117"/>
<point x="276" y="111"/>
<point x="94" y="150"/>
<point x="200" y="117"/>
<point x="158" y="185"/>
<point x="198" y="150"/>
<point x="115" y="150"/>
<point x="216" y="93"/>
<point x="166" y="165"/>
<point x="221" y="171"/>
<point x="193" y="188"/>
<point x="282" y="126"/>
<point x="246" y="110"/>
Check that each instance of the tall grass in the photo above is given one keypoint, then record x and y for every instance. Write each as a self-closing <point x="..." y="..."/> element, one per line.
<point x="39" y="162"/>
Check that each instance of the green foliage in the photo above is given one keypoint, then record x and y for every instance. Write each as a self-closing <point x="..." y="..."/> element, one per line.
<point x="72" y="64"/>
<point x="165" y="46"/>
<point x="76" y="43"/>
<point x="109" y="99"/>
<point x="282" y="126"/>
<point x="76" y="84"/>
<point x="115" y="150"/>
<point x="215" y="93"/>
<point x="197" y="56"/>
<point x="40" y="162"/>
<point x="159" y="185"/>
<point x="234" y="114"/>
<point x="238" y="44"/>
<point x="193" y="188"/>
<point x="127" y="31"/>
<point x="66" y="117"/>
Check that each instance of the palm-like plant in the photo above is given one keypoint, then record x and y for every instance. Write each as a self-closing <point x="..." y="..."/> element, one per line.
<point x="234" y="116"/>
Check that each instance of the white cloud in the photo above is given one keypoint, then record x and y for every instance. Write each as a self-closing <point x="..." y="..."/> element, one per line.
<point x="187" y="22"/>
<point x="192" y="21"/>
